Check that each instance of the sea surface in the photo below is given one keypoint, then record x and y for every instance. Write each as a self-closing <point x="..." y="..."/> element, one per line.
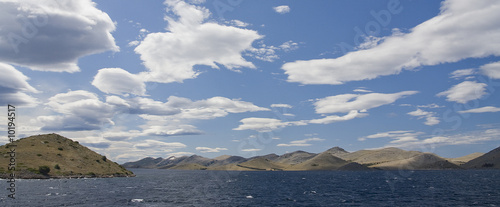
<point x="230" y="188"/>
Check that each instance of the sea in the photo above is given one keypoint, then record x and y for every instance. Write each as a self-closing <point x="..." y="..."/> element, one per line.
<point x="153" y="187"/>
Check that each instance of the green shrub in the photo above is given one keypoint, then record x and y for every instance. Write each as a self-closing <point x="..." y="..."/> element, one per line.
<point x="44" y="170"/>
<point x="57" y="167"/>
<point x="60" y="148"/>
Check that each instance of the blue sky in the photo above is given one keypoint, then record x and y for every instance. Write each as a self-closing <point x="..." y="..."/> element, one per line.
<point x="132" y="79"/>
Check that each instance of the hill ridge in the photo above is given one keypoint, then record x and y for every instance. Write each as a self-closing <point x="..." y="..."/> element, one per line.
<point x="62" y="156"/>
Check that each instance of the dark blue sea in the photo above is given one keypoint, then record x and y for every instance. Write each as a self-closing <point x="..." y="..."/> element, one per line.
<point x="229" y="188"/>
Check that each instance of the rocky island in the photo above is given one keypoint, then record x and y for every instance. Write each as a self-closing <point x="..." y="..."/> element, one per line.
<point x="55" y="156"/>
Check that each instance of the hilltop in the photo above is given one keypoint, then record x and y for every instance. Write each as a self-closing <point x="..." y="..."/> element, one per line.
<point x="490" y="160"/>
<point x="334" y="158"/>
<point x="62" y="156"/>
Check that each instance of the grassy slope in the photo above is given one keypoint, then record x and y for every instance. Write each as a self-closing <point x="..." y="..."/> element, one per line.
<point x="51" y="150"/>
<point x="464" y="159"/>
<point x="425" y="161"/>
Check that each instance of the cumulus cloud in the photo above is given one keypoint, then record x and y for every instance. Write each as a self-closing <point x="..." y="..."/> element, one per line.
<point x="80" y="110"/>
<point x="268" y="52"/>
<point x="492" y="70"/>
<point x="14" y="86"/>
<point x="430" y="117"/>
<point x="464" y="92"/>
<point x="208" y="149"/>
<point x="283" y="9"/>
<point x="170" y="56"/>
<point x="345" y="103"/>
<point x="486" y="109"/>
<point x="301" y="143"/>
<point x="451" y="36"/>
<point x="119" y="81"/>
<point x="29" y="28"/>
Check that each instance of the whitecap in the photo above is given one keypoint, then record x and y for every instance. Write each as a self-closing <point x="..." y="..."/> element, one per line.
<point x="249" y="196"/>
<point x="137" y="200"/>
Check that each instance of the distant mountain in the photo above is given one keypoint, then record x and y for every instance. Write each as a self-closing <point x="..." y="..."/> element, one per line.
<point x="322" y="161"/>
<point x="226" y="160"/>
<point x="294" y="157"/>
<point x="147" y="162"/>
<point x="490" y="160"/>
<point x="424" y="161"/>
<point x="337" y="151"/>
<point x="464" y="159"/>
<point x="334" y="158"/>
<point x="61" y="156"/>
<point x="373" y="157"/>
<point x="261" y="164"/>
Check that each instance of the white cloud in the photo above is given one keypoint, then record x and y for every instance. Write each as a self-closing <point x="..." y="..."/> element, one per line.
<point x="170" y="56"/>
<point x="28" y="29"/>
<point x="451" y="36"/>
<point x="300" y="143"/>
<point x="81" y="110"/>
<point x="265" y="124"/>
<point x="396" y="136"/>
<point x="14" y="86"/>
<point x="208" y="149"/>
<point x="171" y="130"/>
<point x="431" y="106"/>
<point x="345" y="103"/>
<point x="492" y="70"/>
<point x="251" y="150"/>
<point x="486" y="109"/>
<point x="268" y="53"/>
<point x="430" y="117"/>
<point x="119" y="81"/>
<point x="281" y="106"/>
<point x="457" y="74"/>
<point x="289" y="46"/>
<point x="133" y="43"/>
<point x="334" y="118"/>
<point x="238" y="23"/>
<point x="362" y="90"/>
<point x="472" y="137"/>
<point x="179" y="154"/>
<point x="354" y="105"/>
<point x="283" y="9"/>
<point x="465" y="92"/>
<point x="120" y="135"/>
<point x="155" y="144"/>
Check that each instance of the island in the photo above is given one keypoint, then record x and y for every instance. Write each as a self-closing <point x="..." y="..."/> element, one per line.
<point x="54" y="156"/>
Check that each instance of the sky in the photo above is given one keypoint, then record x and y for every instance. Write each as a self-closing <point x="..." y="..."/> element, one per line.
<point x="133" y="79"/>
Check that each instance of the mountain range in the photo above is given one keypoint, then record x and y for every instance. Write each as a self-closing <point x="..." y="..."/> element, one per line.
<point x="335" y="158"/>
